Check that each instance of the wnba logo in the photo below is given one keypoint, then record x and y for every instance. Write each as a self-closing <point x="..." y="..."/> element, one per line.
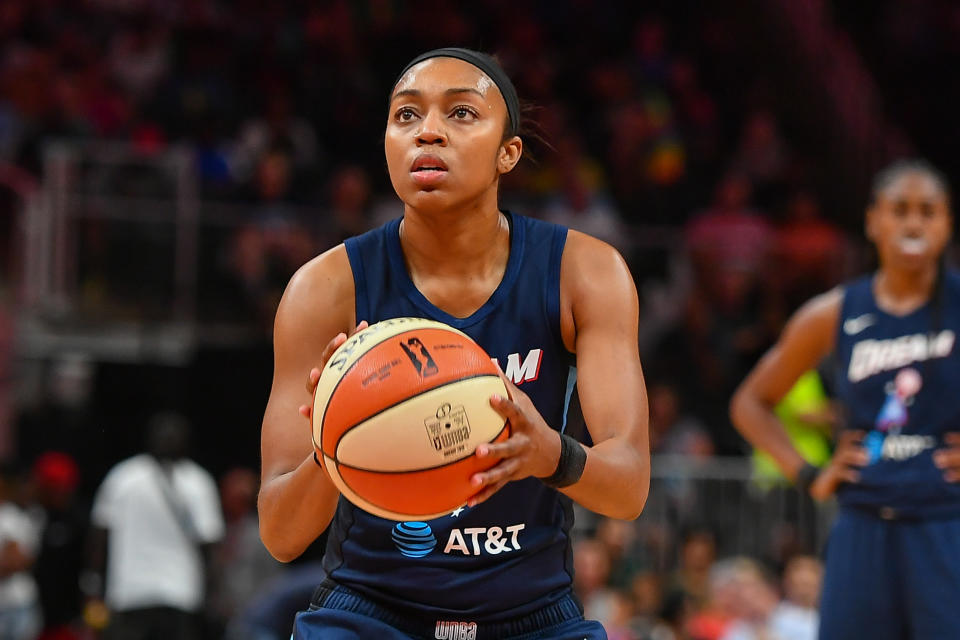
<point x="453" y="630"/>
<point x="426" y="366"/>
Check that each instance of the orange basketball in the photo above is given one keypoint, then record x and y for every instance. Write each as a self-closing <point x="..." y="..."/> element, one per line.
<point x="398" y="412"/>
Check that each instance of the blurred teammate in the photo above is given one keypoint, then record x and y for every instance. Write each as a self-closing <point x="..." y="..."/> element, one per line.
<point x="893" y="558"/>
<point x="540" y="300"/>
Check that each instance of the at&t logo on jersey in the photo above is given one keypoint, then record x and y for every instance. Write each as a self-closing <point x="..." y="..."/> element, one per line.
<point x="455" y="630"/>
<point x="416" y="539"/>
<point x="526" y="370"/>
<point x="871" y="357"/>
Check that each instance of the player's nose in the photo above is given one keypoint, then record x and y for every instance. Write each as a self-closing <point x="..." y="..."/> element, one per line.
<point x="431" y="129"/>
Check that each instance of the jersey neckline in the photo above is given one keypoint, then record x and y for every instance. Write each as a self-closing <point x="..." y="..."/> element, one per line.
<point x="399" y="267"/>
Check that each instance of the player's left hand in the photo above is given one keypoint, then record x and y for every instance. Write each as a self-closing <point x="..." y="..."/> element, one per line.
<point x="948" y="458"/>
<point x="532" y="449"/>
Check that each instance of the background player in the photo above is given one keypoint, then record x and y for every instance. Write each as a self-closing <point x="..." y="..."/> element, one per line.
<point x="501" y="567"/>
<point x="893" y="558"/>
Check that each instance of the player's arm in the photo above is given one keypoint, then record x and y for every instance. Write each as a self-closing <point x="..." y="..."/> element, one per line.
<point x="297" y="499"/>
<point x="808" y="337"/>
<point x="601" y="310"/>
<point x="599" y="306"/>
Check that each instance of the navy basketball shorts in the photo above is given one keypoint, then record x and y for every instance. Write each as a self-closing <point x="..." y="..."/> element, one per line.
<point x="891" y="579"/>
<point x="337" y="613"/>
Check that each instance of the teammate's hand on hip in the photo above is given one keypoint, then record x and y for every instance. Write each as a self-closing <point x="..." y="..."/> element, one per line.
<point x="306" y="410"/>
<point x="532" y="449"/>
<point x="948" y="458"/>
<point x="849" y="456"/>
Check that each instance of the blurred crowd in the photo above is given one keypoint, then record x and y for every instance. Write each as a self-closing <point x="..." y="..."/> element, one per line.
<point x="659" y="127"/>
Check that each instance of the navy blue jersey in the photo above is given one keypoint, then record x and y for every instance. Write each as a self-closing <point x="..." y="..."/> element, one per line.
<point x="899" y="381"/>
<point x="511" y="554"/>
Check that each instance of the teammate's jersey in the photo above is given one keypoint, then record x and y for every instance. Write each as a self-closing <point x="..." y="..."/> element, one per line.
<point x="511" y="554"/>
<point x="899" y="381"/>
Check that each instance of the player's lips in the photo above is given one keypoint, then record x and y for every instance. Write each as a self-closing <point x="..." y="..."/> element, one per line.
<point x="913" y="246"/>
<point x="428" y="169"/>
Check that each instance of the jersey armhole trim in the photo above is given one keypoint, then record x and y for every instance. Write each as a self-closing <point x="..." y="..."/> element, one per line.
<point x="557" y="244"/>
<point x="352" y="246"/>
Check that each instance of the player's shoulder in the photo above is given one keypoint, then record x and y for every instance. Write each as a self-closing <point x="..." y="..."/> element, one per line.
<point x="820" y="313"/>
<point x="328" y="271"/>
<point x="585" y="251"/>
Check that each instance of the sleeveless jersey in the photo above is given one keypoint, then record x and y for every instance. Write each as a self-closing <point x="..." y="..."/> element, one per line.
<point x="511" y="554"/>
<point x="899" y="382"/>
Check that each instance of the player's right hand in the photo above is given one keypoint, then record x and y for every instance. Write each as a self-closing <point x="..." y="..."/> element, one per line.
<point x="843" y="467"/>
<point x="306" y="410"/>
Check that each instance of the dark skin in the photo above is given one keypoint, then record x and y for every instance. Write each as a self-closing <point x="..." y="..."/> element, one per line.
<point x="446" y="150"/>
<point x="910" y="223"/>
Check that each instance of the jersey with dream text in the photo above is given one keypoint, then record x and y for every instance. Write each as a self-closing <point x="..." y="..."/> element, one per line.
<point x="511" y="554"/>
<point x="898" y="383"/>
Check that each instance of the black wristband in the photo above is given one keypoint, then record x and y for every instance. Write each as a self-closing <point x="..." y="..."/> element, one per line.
<point x="805" y="477"/>
<point x="573" y="457"/>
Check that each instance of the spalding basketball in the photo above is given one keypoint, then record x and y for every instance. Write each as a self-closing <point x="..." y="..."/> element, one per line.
<point x="398" y="412"/>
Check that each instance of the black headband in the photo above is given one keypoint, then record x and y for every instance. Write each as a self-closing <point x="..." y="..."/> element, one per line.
<point x="485" y="63"/>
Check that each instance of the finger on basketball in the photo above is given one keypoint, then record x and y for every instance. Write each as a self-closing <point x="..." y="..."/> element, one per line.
<point x="360" y="327"/>
<point x="507" y="408"/>
<point x="501" y="472"/>
<point x="512" y="389"/>
<point x="509" y="447"/>
<point x="312" y="379"/>
<point x="332" y="346"/>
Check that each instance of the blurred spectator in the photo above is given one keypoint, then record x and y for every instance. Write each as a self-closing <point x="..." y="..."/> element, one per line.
<point x="762" y="157"/>
<point x="155" y="519"/>
<point x="732" y="314"/>
<point x="267" y="250"/>
<point x="810" y="250"/>
<point x="139" y="55"/>
<point x="754" y="602"/>
<point x="20" y="614"/>
<point x="797" y="617"/>
<point x="348" y="213"/>
<point x="672" y="430"/>
<point x="276" y="127"/>
<point x="241" y="565"/>
<point x="698" y="550"/>
<point x="55" y="478"/>
<point x="576" y="196"/>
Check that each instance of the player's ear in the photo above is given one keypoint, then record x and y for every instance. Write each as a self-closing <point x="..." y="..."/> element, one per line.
<point x="509" y="156"/>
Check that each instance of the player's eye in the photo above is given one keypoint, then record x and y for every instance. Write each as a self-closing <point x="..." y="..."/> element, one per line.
<point x="900" y="208"/>
<point x="463" y="113"/>
<point x="405" y="114"/>
<point x="926" y="210"/>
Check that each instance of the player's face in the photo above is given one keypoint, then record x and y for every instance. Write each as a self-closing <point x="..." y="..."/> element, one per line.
<point x="444" y="140"/>
<point x="910" y="222"/>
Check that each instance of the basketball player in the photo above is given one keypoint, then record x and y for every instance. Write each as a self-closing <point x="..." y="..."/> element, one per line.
<point x="544" y="302"/>
<point x="893" y="558"/>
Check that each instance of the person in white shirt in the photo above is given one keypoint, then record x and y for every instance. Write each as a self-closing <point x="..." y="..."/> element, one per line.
<point x="20" y="617"/>
<point x="156" y="516"/>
